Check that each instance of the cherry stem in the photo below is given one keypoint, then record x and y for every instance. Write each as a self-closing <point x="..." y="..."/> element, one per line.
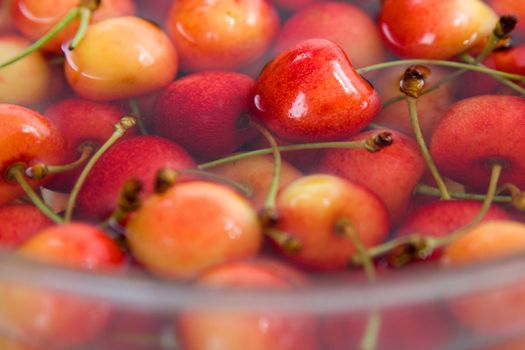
<point x="516" y="87"/>
<point x="16" y="172"/>
<point x="39" y="171"/>
<point x="85" y="17"/>
<point x="286" y="241"/>
<point x="68" y="18"/>
<point x="425" y="245"/>
<point x="367" y="144"/>
<point x="269" y="204"/>
<point x="432" y="191"/>
<point x="121" y="127"/>
<point x="135" y="111"/>
<point x="129" y="201"/>
<point x="412" y="108"/>
<point x="517" y="196"/>
<point x="344" y="227"/>
<point x="451" y="64"/>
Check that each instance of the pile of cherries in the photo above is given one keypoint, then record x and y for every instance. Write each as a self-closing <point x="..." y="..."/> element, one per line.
<point x="256" y="144"/>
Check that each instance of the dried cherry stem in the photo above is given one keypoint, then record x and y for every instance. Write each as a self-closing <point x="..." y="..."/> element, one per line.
<point x="135" y="110"/>
<point x="16" y="172"/>
<point x="41" y="170"/>
<point x="284" y="240"/>
<point x="269" y="204"/>
<point x="84" y="14"/>
<point x="121" y="127"/>
<point x="412" y="86"/>
<point x="443" y="63"/>
<point x="432" y="191"/>
<point x="516" y="87"/>
<point x="372" y="144"/>
<point x="422" y="245"/>
<point x="128" y="202"/>
<point x="167" y="177"/>
<point x="517" y="196"/>
<point x="344" y="227"/>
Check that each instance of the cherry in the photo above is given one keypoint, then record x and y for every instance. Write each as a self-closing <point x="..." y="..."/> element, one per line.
<point x="173" y="239"/>
<point x="451" y="27"/>
<point x="120" y="58"/>
<point x="221" y="34"/>
<point x="204" y="112"/>
<point x="312" y="93"/>
<point x="26" y="138"/>
<point x="345" y="24"/>
<point x="52" y="317"/>
<point x="261" y="330"/>
<point x="19" y="223"/>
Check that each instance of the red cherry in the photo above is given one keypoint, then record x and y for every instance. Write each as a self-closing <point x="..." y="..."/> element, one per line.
<point x="438" y="29"/>
<point x="172" y="238"/>
<point x="19" y="223"/>
<point x="312" y="93"/>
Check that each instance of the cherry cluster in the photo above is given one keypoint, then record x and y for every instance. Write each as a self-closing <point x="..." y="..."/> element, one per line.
<point x="259" y="144"/>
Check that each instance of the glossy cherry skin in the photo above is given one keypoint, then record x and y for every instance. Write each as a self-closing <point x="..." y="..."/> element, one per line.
<point x="19" y="223"/>
<point x="203" y="113"/>
<point x="223" y="329"/>
<point x="82" y="122"/>
<point x="495" y="311"/>
<point x="391" y="173"/>
<point x="221" y="34"/>
<point x="121" y="58"/>
<point x="26" y="138"/>
<point x="478" y="131"/>
<point x="171" y="237"/>
<point x="54" y="317"/>
<point x="510" y="60"/>
<point x="310" y="208"/>
<point x="34" y="18"/>
<point x="438" y="29"/>
<point x="312" y="93"/>
<point x="140" y="157"/>
<point x="27" y="81"/>
<point x="343" y="23"/>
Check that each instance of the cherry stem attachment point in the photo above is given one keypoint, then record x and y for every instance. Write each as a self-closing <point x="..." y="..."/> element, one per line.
<point x="16" y="173"/>
<point x="297" y="147"/>
<point x="85" y="17"/>
<point x="68" y="18"/>
<point x="517" y="196"/>
<point x="135" y="111"/>
<point x="284" y="240"/>
<point x="39" y="171"/>
<point x="121" y="127"/>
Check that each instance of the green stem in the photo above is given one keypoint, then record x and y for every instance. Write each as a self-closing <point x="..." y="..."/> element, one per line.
<point x="412" y="107"/>
<point x="135" y="110"/>
<point x="432" y="191"/>
<point x="39" y="171"/>
<point x="371" y="334"/>
<point x="68" y="18"/>
<point x="85" y="17"/>
<point x="120" y="129"/>
<point x="269" y="204"/>
<point x="297" y="147"/>
<point x="16" y="172"/>
<point x="443" y="63"/>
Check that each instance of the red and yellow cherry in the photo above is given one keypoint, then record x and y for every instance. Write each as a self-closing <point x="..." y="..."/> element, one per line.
<point x="391" y="173"/>
<point x="311" y="92"/>
<point x="496" y="311"/>
<point x="438" y="29"/>
<point x="221" y="34"/>
<point x="55" y="318"/>
<point x="172" y="238"/>
<point x="223" y="329"/>
<point x="256" y="173"/>
<point x="34" y="18"/>
<point x="343" y="23"/>
<point x="26" y="138"/>
<point x="121" y="58"/>
<point x="203" y="113"/>
<point x="27" y="81"/>
<point x="441" y="218"/>
<point x="140" y="157"/>
<point x="311" y="210"/>
<point x="19" y="223"/>
<point x="83" y="123"/>
<point x="478" y="132"/>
